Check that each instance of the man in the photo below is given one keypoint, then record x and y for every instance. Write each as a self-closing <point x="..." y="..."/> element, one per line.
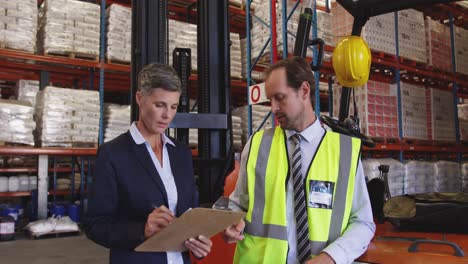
<point x="303" y="187"/>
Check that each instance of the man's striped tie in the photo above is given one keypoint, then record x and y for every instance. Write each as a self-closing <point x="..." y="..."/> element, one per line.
<point x="300" y="208"/>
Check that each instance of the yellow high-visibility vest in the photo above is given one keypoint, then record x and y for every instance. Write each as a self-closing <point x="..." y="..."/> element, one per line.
<point x="335" y="163"/>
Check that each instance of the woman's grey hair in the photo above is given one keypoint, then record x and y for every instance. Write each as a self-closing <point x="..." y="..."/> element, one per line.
<point x="156" y="75"/>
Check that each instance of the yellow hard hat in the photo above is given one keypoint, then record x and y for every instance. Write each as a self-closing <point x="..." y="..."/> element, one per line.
<point x="352" y="61"/>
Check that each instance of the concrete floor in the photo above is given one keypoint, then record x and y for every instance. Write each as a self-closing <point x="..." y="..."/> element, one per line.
<point x="76" y="249"/>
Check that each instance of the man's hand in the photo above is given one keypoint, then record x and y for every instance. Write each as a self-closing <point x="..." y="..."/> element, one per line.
<point x="160" y="218"/>
<point x="234" y="233"/>
<point x="322" y="258"/>
<point x="199" y="246"/>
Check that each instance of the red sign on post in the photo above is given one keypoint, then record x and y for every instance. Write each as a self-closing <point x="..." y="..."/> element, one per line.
<point x="257" y="94"/>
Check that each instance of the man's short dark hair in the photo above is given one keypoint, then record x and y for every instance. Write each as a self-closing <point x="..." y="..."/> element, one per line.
<point x="156" y="75"/>
<point x="297" y="71"/>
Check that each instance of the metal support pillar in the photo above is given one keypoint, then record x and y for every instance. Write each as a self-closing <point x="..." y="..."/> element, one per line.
<point x="54" y="182"/>
<point x="455" y="85"/>
<point x="214" y="95"/>
<point x="315" y="60"/>
<point x="398" y="83"/>
<point x="249" y="61"/>
<point x="149" y="40"/>
<point x="82" y="179"/>
<point x="44" y="80"/>
<point x="73" y="187"/>
<point x="182" y="64"/>
<point x="91" y="79"/>
<point x="102" y="51"/>
<point x="76" y="83"/>
<point x="42" y="186"/>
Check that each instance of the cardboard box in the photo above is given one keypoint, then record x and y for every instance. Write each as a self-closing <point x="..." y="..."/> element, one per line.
<point x="377" y="118"/>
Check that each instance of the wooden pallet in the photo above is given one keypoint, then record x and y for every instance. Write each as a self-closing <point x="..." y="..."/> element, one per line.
<point x="438" y="70"/>
<point x="117" y="62"/>
<point x="6" y="143"/>
<point x="383" y="55"/>
<point x="385" y="140"/>
<point x="84" y="145"/>
<point x="73" y="55"/>
<point x="67" y="144"/>
<point x="420" y="142"/>
<point x="412" y="63"/>
<point x="3" y="45"/>
<point x="53" y="235"/>
<point x="41" y="144"/>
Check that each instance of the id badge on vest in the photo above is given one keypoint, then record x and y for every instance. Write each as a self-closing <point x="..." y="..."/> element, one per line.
<point x="321" y="194"/>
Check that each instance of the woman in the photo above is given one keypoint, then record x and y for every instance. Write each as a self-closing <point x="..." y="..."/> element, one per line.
<point x="143" y="179"/>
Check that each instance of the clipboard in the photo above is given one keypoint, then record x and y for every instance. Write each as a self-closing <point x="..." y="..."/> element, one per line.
<point x="195" y="222"/>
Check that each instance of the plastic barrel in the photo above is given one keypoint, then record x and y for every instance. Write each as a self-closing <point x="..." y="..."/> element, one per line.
<point x="58" y="210"/>
<point x="20" y="209"/>
<point x="3" y="184"/>
<point x="7" y="228"/>
<point x="11" y="211"/>
<point x="3" y="207"/>
<point x="74" y="212"/>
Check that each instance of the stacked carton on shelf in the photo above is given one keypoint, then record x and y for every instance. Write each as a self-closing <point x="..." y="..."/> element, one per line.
<point x="184" y="35"/>
<point x="119" y="33"/>
<point x="464" y="176"/>
<point x="411" y="35"/>
<point x="16" y="122"/>
<point x="396" y="174"/>
<point x="438" y="47"/>
<point x="419" y="177"/>
<point x="442" y="116"/>
<point x="256" y="75"/>
<point x="463" y="121"/>
<point x="379" y="32"/>
<point x="237" y="132"/>
<point x="461" y="49"/>
<point x="447" y="176"/>
<point x="18" y="25"/>
<point x="26" y="90"/>
<point x="377" y="108"/>
<point x="414" y="113"/>
<point x="116" y="120"/>
<point x="67" y="116"/>
<point x="259" y="112"/>
<point x="236" y="56"/>
<point x="261" y="32"/>
<point x="69" y="27"/>
<point x="254" y="3"/>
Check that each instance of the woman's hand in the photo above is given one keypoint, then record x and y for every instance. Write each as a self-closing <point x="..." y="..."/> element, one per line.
<point x="159" y="219"/>
<point x="199" y="246"/>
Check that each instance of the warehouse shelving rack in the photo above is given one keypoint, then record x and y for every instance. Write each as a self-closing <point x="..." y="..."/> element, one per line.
<point x="448" y="80"/>
<point x="252" y="63"/>
<point x="115" y="77"/>
<point x="382" y="64"/>
<point x="85" y="74"/>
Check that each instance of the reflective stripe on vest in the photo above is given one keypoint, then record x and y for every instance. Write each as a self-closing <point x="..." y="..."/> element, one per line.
<point x="260" y="228"/>
<point x="266" y="216"/>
